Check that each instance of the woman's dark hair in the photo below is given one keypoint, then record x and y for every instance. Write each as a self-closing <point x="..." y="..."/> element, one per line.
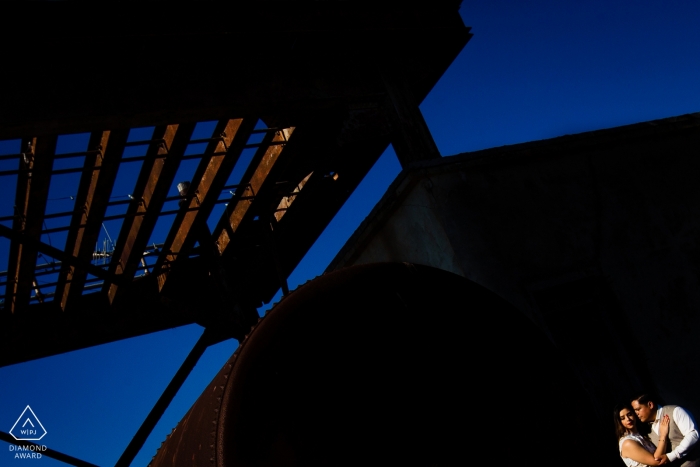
<point x="619" y="429"/>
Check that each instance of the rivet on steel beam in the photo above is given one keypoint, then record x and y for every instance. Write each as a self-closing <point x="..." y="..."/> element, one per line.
<point x="223" y="140"/>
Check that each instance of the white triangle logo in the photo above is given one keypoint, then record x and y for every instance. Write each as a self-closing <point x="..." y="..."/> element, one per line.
<point x="29" y="430"/>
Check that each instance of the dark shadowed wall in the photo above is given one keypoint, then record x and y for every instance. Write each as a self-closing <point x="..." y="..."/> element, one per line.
<point x="593" y="236"/>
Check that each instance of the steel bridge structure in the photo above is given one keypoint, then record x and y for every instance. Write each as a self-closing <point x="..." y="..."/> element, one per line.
<point x="241" y="129"/>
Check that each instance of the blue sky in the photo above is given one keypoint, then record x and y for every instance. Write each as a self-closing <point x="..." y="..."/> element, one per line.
<point x="533" y="70"/>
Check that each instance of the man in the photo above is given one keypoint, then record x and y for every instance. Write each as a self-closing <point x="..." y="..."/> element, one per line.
<point x="682" y="433"/>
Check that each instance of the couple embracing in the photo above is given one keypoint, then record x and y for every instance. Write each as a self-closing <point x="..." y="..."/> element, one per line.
<point x="672" y="439"/>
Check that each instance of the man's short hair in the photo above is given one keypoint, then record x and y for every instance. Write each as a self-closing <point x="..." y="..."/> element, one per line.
<point x="645" y="398"/>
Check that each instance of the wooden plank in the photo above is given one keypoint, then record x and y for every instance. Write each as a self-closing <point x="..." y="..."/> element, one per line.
<point x="209" y="179"/>
<point x="151" y="190"/>
<point x="237" y="210"/>
<point x="91" y="204"/>
<point x="30" y="204"/>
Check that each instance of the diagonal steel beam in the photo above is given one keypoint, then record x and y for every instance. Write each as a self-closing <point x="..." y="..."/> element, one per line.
<point x="254" y="179"/>
<point x="101" y="164"/>
<point x="30" y="204"/>
<point x="32" y="243"/>
<point x="93" y="321"/>
<point x="219" y="159"/>
<point x="410" y="135"/>
<point x="151" y="190"/>
<point x="209" y="337"/>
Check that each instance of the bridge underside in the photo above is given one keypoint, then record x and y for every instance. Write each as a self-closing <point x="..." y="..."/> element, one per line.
<point x="243" y="102"/>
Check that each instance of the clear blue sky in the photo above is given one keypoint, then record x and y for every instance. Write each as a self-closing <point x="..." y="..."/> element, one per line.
<point x="533" y="70"/>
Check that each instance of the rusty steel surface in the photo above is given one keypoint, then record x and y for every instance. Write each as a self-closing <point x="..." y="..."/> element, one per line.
<point x="220" y="157"/>
<point x="35" y="166"/>
<point x="84" y="197"/>
<point x="325" y="124"/>
<point x="16" y="247"/>
<point x="152" y="187"/>
<point x="387" y="363"/>
<point x="101" y="164"/>
<point x="208" y="337"/>
<point x="252" y="183"/>
<point x="325" y="191"/>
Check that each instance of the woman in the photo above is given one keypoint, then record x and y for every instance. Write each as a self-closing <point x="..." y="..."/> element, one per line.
<point x="636" y="449"/>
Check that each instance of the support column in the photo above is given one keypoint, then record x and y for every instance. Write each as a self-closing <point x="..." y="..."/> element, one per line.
<point x="410" y="135"/>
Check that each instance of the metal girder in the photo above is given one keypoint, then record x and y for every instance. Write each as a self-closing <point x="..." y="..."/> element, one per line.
<point x="253" y="181"/>
<point x="338" y="163"/>
<point x="92" y="320"/>
<point x="35" y="166"/>
<point x="102" y="160"/>
<point x="156" y="177"/>
<point x="410" y="136"/>
<point x="39" y="246"/>
<point x="209" y="337"/>
<point x="287" y="200"/>
<point x="219" y="159"/>
<point x="311" y="94"/>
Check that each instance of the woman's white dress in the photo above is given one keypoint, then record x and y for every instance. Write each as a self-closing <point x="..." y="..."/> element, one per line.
<point x="646" y="444"/>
